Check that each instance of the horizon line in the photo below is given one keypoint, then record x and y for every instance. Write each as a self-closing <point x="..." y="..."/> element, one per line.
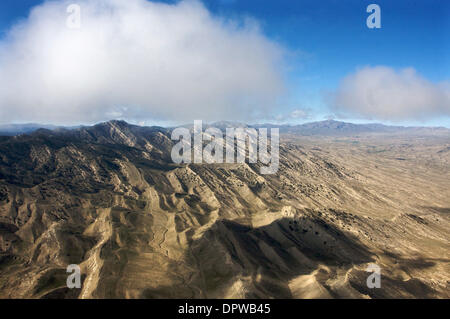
<point x="288" y="124"/>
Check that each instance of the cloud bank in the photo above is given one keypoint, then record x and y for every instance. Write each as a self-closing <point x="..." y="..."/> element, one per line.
<point x="382" y="93"/>
<point x="137" y="60"/>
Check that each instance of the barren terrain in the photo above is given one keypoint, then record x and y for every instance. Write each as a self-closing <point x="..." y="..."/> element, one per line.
<point x="109" y="198"/>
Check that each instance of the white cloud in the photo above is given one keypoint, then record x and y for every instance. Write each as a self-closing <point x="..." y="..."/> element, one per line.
<point x="292" y="116"/>
<point x="300" y="114"/>
<point x="137" y="60"/>
<point x="383" y="93"/>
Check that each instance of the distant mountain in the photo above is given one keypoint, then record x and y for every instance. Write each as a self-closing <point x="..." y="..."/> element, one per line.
<point x="224" y="124"/>
<point x="332" y="127"/>
<point x="325" y="128"/>
<point x="337" y="127"/>
<point x="328" y="128"/>
<point x="17" y="129"/>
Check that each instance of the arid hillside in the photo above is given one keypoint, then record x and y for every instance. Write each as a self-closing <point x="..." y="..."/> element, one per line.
<point x="110" y="199"/>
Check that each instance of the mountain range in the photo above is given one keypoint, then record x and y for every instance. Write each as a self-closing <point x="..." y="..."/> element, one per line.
<point x="327" y="127"/>
<point x="109" y="199"/>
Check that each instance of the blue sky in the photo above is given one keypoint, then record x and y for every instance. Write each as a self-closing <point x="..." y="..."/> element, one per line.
<point x="332" y="38"/>
<point x="328" y="40"/>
